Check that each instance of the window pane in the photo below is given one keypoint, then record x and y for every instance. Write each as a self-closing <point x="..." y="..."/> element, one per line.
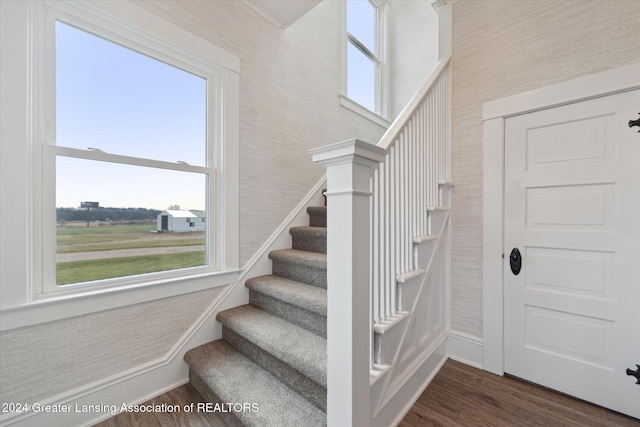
<point x="147" y="220"/>
<point x="361" y="78"/>
<point x="122" y="102"/>
<point x="361" y="22"/>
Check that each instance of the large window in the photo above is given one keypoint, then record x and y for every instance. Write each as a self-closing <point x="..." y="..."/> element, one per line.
<point x="133" y="153"/>
<point x="128" y="129"/>
<point x="365" y="43"/>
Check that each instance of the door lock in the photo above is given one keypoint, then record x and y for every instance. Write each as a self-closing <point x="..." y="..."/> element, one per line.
<point x="515" y="260"/>
<point x="635" y="122"/>
<point x="635" y="373"/>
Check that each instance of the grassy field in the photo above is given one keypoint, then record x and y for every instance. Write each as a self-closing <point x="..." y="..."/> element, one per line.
<point x="85" y="271"/>
<point x="80" y="228"/>
<point x="113" y="245"/>
<point x="74" y="234"/>
<point x="77" y="239"/>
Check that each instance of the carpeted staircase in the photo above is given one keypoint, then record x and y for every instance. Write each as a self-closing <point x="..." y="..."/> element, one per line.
<point x="273" y="351"/>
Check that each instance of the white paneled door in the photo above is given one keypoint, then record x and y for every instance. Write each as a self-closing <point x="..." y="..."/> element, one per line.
<point x="572" y="209"/>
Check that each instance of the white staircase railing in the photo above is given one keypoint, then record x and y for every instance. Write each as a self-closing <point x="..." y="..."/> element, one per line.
<point x="405" y="186"/>
<point x="379" y="199"/>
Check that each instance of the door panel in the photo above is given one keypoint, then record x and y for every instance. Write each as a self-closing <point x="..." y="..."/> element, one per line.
<point x="572" y="208"/>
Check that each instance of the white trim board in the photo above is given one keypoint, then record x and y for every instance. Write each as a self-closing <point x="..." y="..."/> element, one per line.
<point x="495" y="112"/>
<point x="579" y="89"/>
<point x="466" y="349"/>
<point x="401" y="403"/>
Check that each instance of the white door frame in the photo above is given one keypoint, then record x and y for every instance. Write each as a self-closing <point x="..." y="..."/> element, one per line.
<point x="494" y="115"/>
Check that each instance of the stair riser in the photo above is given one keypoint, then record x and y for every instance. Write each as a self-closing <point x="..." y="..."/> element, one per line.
<point x="301" y="273"/>
<point x="309" y="320"/>
<point x="310" y="243"/>
<point x="303" y="385"/>
<point x="317" y="217"/>
<point x="209" y="396"/>
<point x="435" y="219"/>
<point x="320" y="221"/>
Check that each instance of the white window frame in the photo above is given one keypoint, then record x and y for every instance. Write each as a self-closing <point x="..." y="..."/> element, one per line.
<point x="381" y="114"/>
<point x="132" y="27"/>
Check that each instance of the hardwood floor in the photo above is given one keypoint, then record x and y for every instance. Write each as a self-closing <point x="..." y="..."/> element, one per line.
<point x="458" y="396"/>
<point x="464" y="396"/>
<point x="183" y="395"/>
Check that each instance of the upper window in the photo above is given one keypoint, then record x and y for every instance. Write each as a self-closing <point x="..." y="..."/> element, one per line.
<point x="132" y="142"/>
<point x="364" y="54"/>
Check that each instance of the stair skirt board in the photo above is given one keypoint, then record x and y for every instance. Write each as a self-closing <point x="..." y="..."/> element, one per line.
<point x="398" y="403"/>
<point x="414" y="342"/>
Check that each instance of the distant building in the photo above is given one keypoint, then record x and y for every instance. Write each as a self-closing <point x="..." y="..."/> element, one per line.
<point x="181" y="221"/>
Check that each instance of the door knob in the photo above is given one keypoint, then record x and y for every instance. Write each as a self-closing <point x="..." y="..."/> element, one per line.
<point x="515" y="260"/>
<point x="635" y="373"/>
<point x="635" y="122"/>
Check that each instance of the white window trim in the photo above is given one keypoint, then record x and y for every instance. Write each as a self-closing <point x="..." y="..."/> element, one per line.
<point x="22" y="286"/>
<point x="352" y="105"/>
<point x="379" y="117"/>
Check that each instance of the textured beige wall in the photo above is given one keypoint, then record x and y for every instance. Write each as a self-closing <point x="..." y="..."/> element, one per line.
<point x="40" y="361"/>
<point x="413" y="49"/>
<point x="505" y="47"/>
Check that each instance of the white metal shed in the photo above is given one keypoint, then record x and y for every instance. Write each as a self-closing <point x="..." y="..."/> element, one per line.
<point x="181" y="221"/>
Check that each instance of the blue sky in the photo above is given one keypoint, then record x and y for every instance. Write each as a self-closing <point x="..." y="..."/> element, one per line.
<point x="117" y="100"/>
<point x="361" y="24"/>
<point x="122" y="102"/>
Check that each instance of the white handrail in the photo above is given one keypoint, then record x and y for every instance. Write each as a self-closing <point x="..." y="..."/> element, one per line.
<point x="405" y="187"/>
<point x="387" y="139"/>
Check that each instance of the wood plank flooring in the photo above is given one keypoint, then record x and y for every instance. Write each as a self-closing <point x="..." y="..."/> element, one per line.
<point x="182" y="395"/>
<point x="464" y="396"/>
<point x="458" y="396"/>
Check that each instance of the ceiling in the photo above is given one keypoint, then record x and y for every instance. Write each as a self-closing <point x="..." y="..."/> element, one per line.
<point x="282" y="12"/>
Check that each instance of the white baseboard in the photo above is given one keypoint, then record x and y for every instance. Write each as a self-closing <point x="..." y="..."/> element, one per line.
<point x="466" y="349"/>
<point x="88" y="407"/>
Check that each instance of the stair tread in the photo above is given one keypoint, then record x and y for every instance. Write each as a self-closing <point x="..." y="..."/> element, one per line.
<point x="278" y="405"/>
<point x="309" y="297"/>
<point x="308" y="229"/>
<point x="422" y="239"/>
<point x="317" y="209"/>
<point x="302" y="350"/>
<point x="295" y="256"/>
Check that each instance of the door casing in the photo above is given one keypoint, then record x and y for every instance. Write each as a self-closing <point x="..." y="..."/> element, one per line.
<point x="494" y="115"/>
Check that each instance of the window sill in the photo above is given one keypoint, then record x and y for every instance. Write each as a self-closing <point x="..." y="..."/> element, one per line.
<point x="48" y="309"/>
<point x="363" y="112"/>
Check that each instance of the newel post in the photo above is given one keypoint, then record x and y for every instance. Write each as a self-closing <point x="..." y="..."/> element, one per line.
<point x="349" y="328"/>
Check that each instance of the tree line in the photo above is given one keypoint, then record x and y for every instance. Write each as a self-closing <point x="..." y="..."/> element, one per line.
<point x="106" y="214"/>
